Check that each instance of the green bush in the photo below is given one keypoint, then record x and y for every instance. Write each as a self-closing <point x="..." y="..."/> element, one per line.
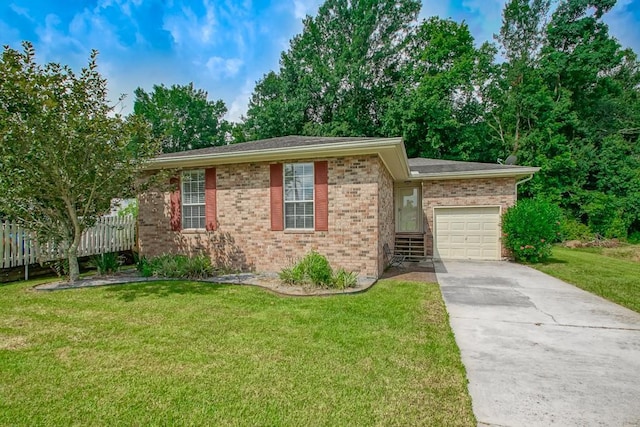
<point x="344" y="279"/>
<point x="314" y="269"/>
<point x="176" y="266"/>
<point x="108" y="263"/>
<point x="530" y="227"/>
<point x="572" y="229"/>
<point x="318" y="269"/>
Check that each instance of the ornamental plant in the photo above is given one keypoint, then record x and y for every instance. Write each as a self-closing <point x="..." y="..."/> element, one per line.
<point x="314" y="270"/>
<point x="530" y="228"/>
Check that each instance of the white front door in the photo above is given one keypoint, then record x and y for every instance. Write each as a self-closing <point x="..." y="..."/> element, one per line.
<point x="408" y="210"/>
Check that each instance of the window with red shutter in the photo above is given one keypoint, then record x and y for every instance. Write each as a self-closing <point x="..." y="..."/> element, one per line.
<point x="277" y="223"/>
<point x="210" y="206"/>
<point x="321" y="187"/>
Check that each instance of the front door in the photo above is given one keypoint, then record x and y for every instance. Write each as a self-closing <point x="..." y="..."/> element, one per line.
<point x="408" y="210"/>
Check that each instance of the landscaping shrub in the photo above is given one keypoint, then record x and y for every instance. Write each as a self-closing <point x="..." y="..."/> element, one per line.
<point x="572" y="229"/>
<point x="343" y="279"/>
<point x="108" y="263"/>
<point x="314" y="269"/>
<point x="530" y="227"/>
<point x="144" y="267"/>
<point x="176" y="266"/>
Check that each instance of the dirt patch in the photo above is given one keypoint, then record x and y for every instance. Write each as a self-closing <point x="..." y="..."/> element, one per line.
<point x="423" y="271"/>
<point x="12" y="343"/>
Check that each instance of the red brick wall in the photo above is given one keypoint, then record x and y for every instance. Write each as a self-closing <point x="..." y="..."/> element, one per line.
<point x="244" y="240"/>
<point x="465" y="192"/>
<point x="386" y="219"/>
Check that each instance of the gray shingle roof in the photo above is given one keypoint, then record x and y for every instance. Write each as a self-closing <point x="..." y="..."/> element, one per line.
<point x="434" y="166"/>
<point x="267" y="144"/>
<point x="419" y="167"/>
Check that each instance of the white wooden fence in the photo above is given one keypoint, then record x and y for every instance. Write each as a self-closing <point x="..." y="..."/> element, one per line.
<point x="109" y="234"/>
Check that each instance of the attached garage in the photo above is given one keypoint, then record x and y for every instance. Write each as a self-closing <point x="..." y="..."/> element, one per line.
<point x="467" y="233"/>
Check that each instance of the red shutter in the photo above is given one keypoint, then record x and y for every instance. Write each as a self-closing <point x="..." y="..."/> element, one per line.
<point x="210" y="219"/>
<point x="277" y="223"/>
<point x="321" y="190"/>
<point x="176" y="208"/>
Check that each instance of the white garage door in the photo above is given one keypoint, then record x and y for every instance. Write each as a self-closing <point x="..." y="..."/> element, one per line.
<point x="467" y="233"/>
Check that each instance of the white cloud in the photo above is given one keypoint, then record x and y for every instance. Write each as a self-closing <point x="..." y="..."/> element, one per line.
<point x="623" y="25"/>
<point x="240" y="103"/>
<point x="488" y="17"/>
<point x="21" y="11"/>
<point x="220" y="67"/>
<point x="187" y="28"/>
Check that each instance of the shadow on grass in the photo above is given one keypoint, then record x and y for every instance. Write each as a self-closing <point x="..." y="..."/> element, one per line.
<point x="164" y="289"/>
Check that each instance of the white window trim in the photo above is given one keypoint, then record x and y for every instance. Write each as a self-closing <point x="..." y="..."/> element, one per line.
<point x="182" y="198"/>
<point x="312" y="201"/>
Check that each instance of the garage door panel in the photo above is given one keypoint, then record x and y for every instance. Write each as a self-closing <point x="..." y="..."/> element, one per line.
<point x="457" y="226"/>
<point x="467" y="233"/>
<point x="456" y="240"/>
<point x="474" y="226"/>
<point x="475" y="239"/>
<point x="490" y="226"/>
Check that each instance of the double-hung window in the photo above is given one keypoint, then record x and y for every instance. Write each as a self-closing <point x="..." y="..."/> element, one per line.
<point x="193" y="199"/>
<point x="298" y="195"/>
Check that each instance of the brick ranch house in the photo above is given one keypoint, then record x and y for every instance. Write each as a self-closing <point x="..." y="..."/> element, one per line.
<point x="261" y="205"/>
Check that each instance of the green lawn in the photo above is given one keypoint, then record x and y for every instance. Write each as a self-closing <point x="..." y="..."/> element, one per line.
<point x="612" y="274"/>
<point x="185" y="353"/>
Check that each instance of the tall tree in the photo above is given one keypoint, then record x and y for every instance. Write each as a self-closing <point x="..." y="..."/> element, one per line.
<point x="566" y="99"/>
<point x="182" y="117"/>
<point x="581" y="59"/>
<point x="338" y="71"/>
<point x="434" y="106"/>
<point x="515" y="92"/>
<point x="64" y="153"/>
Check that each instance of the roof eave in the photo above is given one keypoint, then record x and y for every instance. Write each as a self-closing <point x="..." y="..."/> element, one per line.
<point x="390" y="150"/>
<point x="500" y="173"/>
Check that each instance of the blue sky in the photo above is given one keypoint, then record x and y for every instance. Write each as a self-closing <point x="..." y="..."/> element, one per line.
<point x="222" y="46"/>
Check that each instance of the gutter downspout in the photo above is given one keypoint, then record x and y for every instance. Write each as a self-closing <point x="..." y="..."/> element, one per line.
<point x="522" y="182"/>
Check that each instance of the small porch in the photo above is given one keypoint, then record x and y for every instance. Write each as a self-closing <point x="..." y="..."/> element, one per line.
<point x="409" y="218"/>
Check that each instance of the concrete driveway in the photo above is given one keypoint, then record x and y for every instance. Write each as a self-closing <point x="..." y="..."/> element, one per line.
<point x="539" y="351"/>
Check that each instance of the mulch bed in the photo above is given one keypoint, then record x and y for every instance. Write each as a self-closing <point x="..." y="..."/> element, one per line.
<point x="266" y="281"/>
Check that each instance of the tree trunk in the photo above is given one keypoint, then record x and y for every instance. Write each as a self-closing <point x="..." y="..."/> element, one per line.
<point x="72" y="253"/>
<point x="74" y="267"/>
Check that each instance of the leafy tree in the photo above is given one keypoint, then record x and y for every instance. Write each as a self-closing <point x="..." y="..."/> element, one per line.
<point x="182" y="117"/>
<point x="600" y="79"/>
<point x="65" y="154"/>
<point x="566" y="99"/>
<point x="274" y="109"/>
<point x="435" y="107"/>
<point x="337" y="73"/>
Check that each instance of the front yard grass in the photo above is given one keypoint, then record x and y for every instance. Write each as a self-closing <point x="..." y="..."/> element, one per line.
<point x="188" y="353"/>
<point x="611" y="273"/>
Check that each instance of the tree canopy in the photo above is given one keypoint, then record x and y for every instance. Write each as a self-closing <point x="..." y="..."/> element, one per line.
<point x="182" y="118"/>
<point x="555" y="89"/>
<point x="64" y="153"/>
<point x="337" y="73"/>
